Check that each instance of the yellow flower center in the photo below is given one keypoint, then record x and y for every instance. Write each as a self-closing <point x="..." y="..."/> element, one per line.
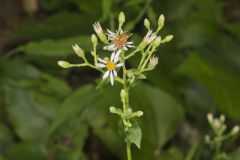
<point x="111" y="65"/>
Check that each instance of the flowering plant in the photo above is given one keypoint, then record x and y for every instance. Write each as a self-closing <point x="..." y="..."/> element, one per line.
<point x="121" y="49"/>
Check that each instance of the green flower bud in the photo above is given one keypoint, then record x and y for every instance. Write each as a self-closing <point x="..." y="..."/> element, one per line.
<point x="78" y="50"/>
<point x="167" y="39"/>
<point x="157" y="42"/>
<point x="123" y="94"/>
<point x="147" y="23"/>
<point x="113" y="109"/>
<point x="161" y="20"/>
<point x="210" y="118"/>
<point x="235" y="130"/>
<point x="130" y="74"/>
<point x="121" y="19"/>
<point x="139" y="113"/>
<point x="222" y="118"/>
<point x="64" y="64"/>
<point x="207" y="139"/>
<point x="94" y="39"/>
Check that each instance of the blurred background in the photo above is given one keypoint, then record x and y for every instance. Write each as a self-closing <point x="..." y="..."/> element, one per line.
<point x="50" y="113"/>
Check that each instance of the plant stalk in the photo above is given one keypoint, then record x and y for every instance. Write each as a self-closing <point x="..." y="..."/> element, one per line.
<point x="129" y="153"/>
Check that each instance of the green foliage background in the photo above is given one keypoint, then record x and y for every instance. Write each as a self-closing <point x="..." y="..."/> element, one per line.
<point x="50" y="113"/>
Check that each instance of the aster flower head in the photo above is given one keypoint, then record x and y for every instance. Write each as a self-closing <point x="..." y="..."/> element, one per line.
<point x="118" y="41"/>
<point x="149" y="37"/>
<point x="153" y="62"/>
<point x="98" y="29"/>
<point x="111" y="66"/>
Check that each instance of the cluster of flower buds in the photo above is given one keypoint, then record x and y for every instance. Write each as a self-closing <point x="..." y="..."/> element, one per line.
<point x="219" y="128"/>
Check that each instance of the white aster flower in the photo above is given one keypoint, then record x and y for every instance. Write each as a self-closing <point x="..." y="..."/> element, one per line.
<point x="118" y="41"/>
<point x="111" y="66"/>
<point x="149" y="37"/>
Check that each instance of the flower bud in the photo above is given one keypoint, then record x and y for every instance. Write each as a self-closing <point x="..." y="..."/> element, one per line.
<point x="78" y="50"/>
<point x="157" y="42"/>
<point x="123" y="94"/>
<point x="235" y="130"/>
<point x="167" y="39"/>
<point x="129" y="111"/>
<point x="147" y="23"/>
<point x="94" y="39"/>
<point x="113" y="109"/>
<point x="64" y="64"/>
<point x="207" y="139"/>
<point x="222" y="118"/>
<point x="139" y="113"/>
<point x="130" y="74"/>
<point x="210" y="118"/>
<point x="161" y="20"/>
<point x="217" y="123"/>
<point x="121" y="19"/>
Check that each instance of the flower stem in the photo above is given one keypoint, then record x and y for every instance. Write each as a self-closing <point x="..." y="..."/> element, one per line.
<point x="126" y="104"/>
<point x="129" y="153"/>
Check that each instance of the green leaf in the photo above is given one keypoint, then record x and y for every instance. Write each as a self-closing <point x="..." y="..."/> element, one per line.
<point x="61" y="24"/>
<point x="91" y="7"/>
<point x="27" y="151"/>
<point x="32" y="93"/>
<point x="134" y="134"/>
<point x="72" y="105"/>
<point x="235" y="154"/>
<point x="54" y="48"/>
<point x="5" y="138"/>
<point x="106" y="9"/>
<point x="221" y="82"/>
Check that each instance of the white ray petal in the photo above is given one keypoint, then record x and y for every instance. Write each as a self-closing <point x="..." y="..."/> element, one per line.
<point x="112" y="56"/>
<point x="100" y="65"/>
<point x="125" y="48"/>
<point x="111" y="33"/>
<point x="117" y="56"/>
<point x="106" y="74"/>
<point x="130" y="46"/>
<point x="119" y="65"/>
<point x="129" y="43"/>
<point x="101" y="60"/>
<point x="115" y="73"/>
<point x="111" y="78"/>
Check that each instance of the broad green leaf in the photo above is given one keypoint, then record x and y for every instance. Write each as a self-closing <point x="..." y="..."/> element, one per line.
<point x="134" y="134"/>
<point x="222" y="83"/>
<point x="61" y="24"/>
<point x="5" y="138"/>
<point x="54" y="48"/>
<point x="2" y="158"/>
<point x="31" y="95"/>
<point x="91" y="7"/>
<point x="27" y="151"/>
<point x="74" y="104"/>
<point x="106" y="9"/>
